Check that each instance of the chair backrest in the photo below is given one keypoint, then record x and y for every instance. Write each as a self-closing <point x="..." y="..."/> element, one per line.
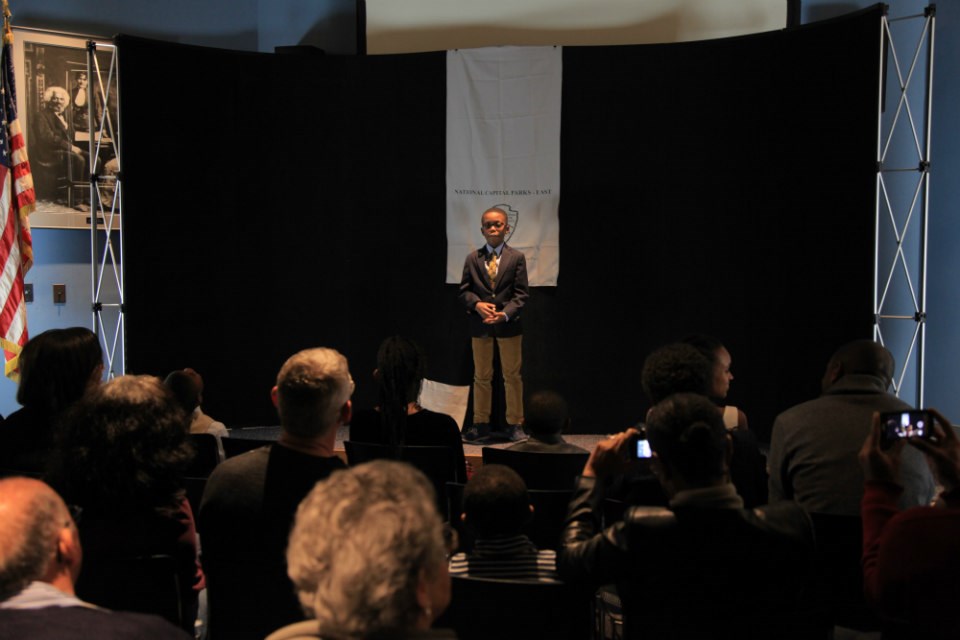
<point x="454" y="494"/>
<point x="508" y="609"/>
<point x="6" y="472"/>
<point x="612" y="510"/>
<point x="206" y="456"/>
<point x="544" y="529"/>
<point x="838" y="573"/>
<point x="193" y="487"/>
<point x="143" y="584"/>
<point x="439" y="464"/>
<point x="235" y="446"/>
<point x="539" y="470"/>
<point x="549" y="514"/>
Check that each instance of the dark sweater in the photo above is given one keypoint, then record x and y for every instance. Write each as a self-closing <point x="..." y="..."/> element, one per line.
<point x="247" y="510"/>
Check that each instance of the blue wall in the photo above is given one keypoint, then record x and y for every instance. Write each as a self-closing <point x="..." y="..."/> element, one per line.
<point x="63" y="256"/>
<point x="60" y="257"/>
<point x="230" y="24"/>
<point x="943" y="297"/>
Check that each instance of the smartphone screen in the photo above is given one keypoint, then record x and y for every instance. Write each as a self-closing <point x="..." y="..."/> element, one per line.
<point x="643" y="449"/>
<point x="895" y="425"/>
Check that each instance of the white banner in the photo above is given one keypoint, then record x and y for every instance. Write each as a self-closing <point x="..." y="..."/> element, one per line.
<point x="503" y="150"/>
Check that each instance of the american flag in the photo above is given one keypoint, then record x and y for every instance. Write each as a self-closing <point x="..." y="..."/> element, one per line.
<point x="17" y="200"/>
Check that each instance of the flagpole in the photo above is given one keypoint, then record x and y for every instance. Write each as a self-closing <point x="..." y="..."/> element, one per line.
<point x="7" y="32"/>
<point x="17" y="201"/>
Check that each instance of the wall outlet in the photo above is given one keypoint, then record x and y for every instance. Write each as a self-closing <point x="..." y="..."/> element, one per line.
<point x="59" y="294"/>
<point x="28" y="292"/>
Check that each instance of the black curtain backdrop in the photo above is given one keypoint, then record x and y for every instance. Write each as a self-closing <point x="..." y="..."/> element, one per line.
<point x="278" y="202"/>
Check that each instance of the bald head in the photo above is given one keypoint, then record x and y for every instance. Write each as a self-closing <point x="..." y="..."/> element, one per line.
<point x="860" y="357"/>
<point x="33" y="542"/>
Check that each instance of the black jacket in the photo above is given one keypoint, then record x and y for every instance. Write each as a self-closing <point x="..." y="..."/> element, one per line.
<point x="695" y="571"/>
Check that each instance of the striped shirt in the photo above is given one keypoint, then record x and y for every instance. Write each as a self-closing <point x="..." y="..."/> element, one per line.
<point x="511" y="558"/>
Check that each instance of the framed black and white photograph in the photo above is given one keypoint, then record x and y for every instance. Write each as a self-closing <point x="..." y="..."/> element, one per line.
<point x="68" y="110"/>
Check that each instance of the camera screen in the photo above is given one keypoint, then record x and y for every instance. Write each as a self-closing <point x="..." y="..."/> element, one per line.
<point x="906" y="424"/>
<point x="643" y="449"/>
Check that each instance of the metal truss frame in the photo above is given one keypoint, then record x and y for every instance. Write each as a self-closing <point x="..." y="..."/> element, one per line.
<point x="902" y="197"/>
<point x="106" y="196"/>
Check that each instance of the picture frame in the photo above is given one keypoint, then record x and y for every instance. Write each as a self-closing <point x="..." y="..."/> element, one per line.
<point x="67" y="107"/>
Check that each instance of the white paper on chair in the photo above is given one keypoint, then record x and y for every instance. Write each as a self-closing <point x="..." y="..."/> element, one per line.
<point x="445" y="398"/>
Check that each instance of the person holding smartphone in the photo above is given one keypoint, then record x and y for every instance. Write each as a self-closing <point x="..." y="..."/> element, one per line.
<point x="703" y="567"/>
<point x="814" y="445"/>
<point x="911" y="558"/>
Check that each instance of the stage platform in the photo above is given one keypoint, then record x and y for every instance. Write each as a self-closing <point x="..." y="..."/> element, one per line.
<point x="472" y="452"/>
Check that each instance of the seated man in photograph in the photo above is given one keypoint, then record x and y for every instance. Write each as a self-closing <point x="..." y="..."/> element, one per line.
<point x="703" y="567"/>
<point x="496" y="507"/>
<point x="545" y="418"/>
<point x="40" y="558"/>
<point x="54" y="149"/>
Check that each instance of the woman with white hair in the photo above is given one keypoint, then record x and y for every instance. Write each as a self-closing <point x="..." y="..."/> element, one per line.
<point x="367" y="556"/>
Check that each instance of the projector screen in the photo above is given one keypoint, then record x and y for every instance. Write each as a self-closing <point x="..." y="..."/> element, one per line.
<point x="404" y="26"/>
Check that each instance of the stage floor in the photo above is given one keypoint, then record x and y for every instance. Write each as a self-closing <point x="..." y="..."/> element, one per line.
<point x="472" y="452"/>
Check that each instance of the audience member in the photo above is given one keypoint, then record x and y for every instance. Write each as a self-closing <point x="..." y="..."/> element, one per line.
<point x="545" y="418"/>
<point x="367" y="556"/>
<point x="911" y="558"/>
<point x="40" y="558"/>
<point x="121" y="458"/>
<point x="496" y="507"/>
<point x="682" y="368"/>
<point x="705" y="567"/>
<point x="187" y="388"/>
<point x="719" y="357"/>
<point x="675" y="368"/>
<point x="814" y="445"/>
<point x="250" y="500"/>
<point x="398" y="419"/>
<point x="56" y="368"/>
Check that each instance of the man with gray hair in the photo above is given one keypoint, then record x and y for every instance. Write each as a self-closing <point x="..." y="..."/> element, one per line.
<point x="250" y="500"/>
<point x="40" y="558"/>
<point x="814" y="445"/>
